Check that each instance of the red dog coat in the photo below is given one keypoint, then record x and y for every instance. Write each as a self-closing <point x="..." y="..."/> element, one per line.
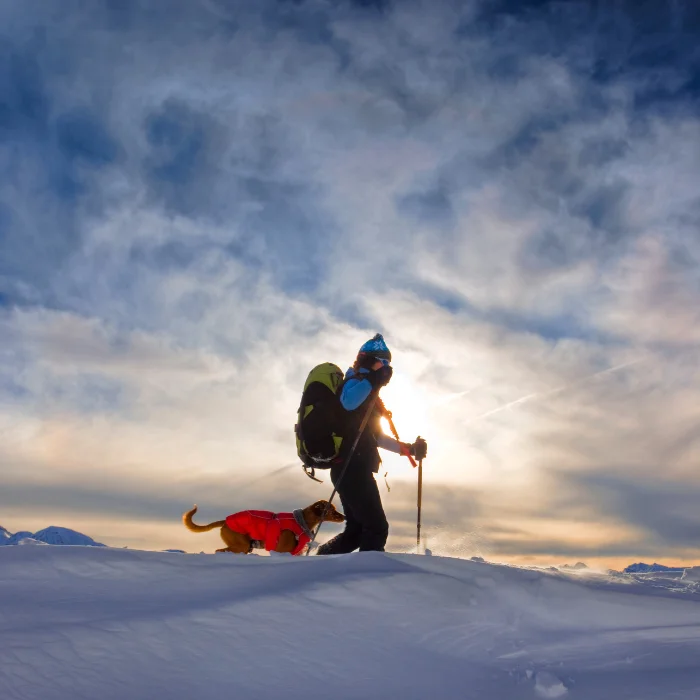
<point x="266" y="526"/>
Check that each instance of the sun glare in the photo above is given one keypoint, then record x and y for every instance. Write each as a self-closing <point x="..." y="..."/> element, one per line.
<point x="408" y="407"/>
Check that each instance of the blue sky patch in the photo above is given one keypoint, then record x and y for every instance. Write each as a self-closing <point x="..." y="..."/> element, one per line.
<point x="24" y="104"/>
<point x="82" y="137"/>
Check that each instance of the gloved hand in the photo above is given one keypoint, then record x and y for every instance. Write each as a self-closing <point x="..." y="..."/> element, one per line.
<point x="380" y="377"/>
<point x="419" y="449"/>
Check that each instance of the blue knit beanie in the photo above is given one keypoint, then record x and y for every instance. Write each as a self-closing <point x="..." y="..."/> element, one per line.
<point x="376" y="347"/>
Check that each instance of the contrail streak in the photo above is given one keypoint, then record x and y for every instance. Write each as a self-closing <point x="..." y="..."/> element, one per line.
<point x="542" y="395"/>
<point x="453" y="397"/>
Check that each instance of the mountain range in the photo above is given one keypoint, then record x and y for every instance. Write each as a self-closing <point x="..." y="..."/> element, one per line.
<point x="49" y="535"/>
<point x="642" y="568"/>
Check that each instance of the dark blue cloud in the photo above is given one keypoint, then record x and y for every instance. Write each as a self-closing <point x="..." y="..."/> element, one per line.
<point x="381" y="5"/>
<point x="603" y="209"/>
<point x="181" y="141"/>
<point x="523" y="144"/>
<point x="49" y="158"/>
<point x="24" y="103"/>
<point x="293" y="230"/>
<point x="551" y="327"/>
<point x="203" y="166"/>
<point x="82" y="137"/>
<point x="311" y="25"/>
<point x="431" y="206"/>
<point x="515" y="7"/>
<point x="667" y="510"/>
<point x="354" y="311"/>
<point x="653" y="42"/>
<point x="597" y="152"/>
<point x="81" y="145"/>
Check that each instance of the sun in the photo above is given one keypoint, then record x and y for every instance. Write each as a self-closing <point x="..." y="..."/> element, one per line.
<point x="408" y="406"/>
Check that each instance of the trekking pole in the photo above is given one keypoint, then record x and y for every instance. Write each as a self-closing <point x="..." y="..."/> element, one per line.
<point x="363" y="425"/>
<point x="420" y="499"/>
<point x="394" y="432"/>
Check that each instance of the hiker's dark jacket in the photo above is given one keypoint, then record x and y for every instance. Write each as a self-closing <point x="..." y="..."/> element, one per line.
<point x="355" y="392"/>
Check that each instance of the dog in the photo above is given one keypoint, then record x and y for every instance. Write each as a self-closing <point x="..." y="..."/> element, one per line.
<point x="262" y="529"/>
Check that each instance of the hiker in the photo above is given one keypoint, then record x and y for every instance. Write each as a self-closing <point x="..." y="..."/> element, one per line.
<point x="366" y="525"/>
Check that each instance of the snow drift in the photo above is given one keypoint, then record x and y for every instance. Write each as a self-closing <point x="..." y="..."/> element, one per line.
<point x="86" y="622"/>
<point x="692" y="574"/>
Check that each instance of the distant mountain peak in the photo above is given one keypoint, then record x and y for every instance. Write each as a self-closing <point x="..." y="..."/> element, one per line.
<point x="643" y="568"/>
<point x="17" y="537"/>
<point x="64" y="535"/>
<point x="49" y="535"/>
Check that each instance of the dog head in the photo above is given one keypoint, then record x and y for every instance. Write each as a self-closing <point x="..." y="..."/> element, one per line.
<point x="332" y="515"/>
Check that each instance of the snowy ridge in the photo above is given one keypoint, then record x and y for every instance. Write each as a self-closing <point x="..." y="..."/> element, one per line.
<point x="115" y="624"/>
<point x="642" y="568"/>
<point x="49" y="535"/>
<point x="19" y="538"/>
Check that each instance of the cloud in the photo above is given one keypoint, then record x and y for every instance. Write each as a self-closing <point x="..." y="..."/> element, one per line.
<point x="200" y="204"/>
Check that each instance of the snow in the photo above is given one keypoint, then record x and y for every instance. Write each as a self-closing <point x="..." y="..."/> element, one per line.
<point x="692" y="574"/>
<point x="548" y="685"/>
<point x="96" y="622"/>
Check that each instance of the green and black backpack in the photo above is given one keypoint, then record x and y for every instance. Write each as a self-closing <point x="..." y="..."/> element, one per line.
<point x="320" y="419"/>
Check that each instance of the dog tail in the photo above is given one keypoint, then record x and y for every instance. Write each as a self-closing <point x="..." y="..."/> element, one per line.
<point x="191" y="525"/>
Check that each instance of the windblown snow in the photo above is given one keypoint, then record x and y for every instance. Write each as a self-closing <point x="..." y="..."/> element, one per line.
<point x="111" y="624"/>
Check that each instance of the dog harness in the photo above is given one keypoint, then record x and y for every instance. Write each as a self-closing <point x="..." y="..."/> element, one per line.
<point x="266" y="527"/>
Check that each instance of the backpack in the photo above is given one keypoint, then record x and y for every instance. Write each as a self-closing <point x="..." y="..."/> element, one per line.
<point x="319" y="429"/>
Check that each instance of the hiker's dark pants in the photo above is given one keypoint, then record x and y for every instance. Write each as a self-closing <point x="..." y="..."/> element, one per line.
<point x="366" y="525"/>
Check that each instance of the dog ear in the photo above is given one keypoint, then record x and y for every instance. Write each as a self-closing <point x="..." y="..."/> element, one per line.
<point x="319" y="507"/>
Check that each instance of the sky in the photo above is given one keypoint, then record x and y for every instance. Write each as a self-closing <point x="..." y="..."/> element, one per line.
<point x="201" y="200"/>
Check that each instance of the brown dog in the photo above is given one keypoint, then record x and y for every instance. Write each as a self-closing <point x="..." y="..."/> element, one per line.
<point x="243" y="531"/>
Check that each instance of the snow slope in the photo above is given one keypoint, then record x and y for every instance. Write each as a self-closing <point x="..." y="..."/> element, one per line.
<point x="113" y="624"/>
